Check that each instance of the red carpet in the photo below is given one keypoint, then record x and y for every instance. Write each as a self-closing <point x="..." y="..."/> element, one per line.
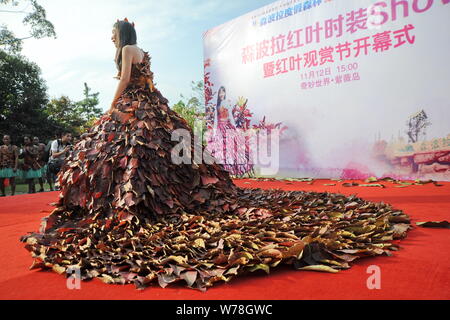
<point x="420" y="270"/>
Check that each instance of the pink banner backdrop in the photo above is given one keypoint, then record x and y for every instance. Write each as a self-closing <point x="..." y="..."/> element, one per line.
<point x="358" y="88"/>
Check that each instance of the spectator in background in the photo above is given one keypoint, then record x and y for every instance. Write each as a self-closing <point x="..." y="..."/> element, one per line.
<point x="75" y="140"/>
<point x="41" y="161"/>
<point x="50" y="176"/>
<point x="58" y="152"/>
<point x="30" y="166"/>
<point x="9" y="161"/>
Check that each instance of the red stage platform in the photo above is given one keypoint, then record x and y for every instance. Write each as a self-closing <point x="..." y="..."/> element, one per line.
<point x="420" y="270"/>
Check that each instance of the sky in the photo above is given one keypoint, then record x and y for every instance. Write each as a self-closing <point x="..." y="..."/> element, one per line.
<point x="170" y="30"/>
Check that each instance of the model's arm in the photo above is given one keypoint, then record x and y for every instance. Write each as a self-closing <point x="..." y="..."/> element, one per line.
<point x="125" y="75"/>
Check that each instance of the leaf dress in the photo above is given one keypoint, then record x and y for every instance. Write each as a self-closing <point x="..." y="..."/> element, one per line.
<point x="127" y="214"/>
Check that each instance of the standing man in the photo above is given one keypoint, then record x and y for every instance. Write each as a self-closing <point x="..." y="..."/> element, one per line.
<point x="58" y="153"/>
<point x="41" y="161"/>
<point x="30" y="167"/>
<point x="9" y="161"/>
<point x="50" y="176"/>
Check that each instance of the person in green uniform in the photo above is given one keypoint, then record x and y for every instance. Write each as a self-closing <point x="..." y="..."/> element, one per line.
<point x="9" y="161"/>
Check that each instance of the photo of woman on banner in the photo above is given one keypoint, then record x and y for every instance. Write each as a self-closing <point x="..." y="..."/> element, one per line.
<point x="227" y="142"/>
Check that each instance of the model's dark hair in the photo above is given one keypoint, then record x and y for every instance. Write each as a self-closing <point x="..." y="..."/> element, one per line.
<point x="219" y="102"/>
<point x="127" y="36"/>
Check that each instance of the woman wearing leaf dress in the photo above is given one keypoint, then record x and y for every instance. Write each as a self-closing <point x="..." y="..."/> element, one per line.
<point x="128" y="214"/>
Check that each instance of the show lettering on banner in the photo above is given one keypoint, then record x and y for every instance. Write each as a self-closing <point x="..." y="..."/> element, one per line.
<point x="355" y="88"/>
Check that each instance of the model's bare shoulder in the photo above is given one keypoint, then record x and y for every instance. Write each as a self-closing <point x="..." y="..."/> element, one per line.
<point x="127" y="50"/>
<point x="133" y="51"/>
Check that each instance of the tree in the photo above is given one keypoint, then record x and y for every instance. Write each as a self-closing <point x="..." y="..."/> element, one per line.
<point x="26" y="110"/>
<point x="192" y="109"/>
<point x="73" y="116"/>
<point x="40" y="27"/>
<point x="23" y="99"/>
<point x="63" y="111"/>
<point x="417" y="125"/>
<point x="87" y="108"/>
<point x="197" y="98"/>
